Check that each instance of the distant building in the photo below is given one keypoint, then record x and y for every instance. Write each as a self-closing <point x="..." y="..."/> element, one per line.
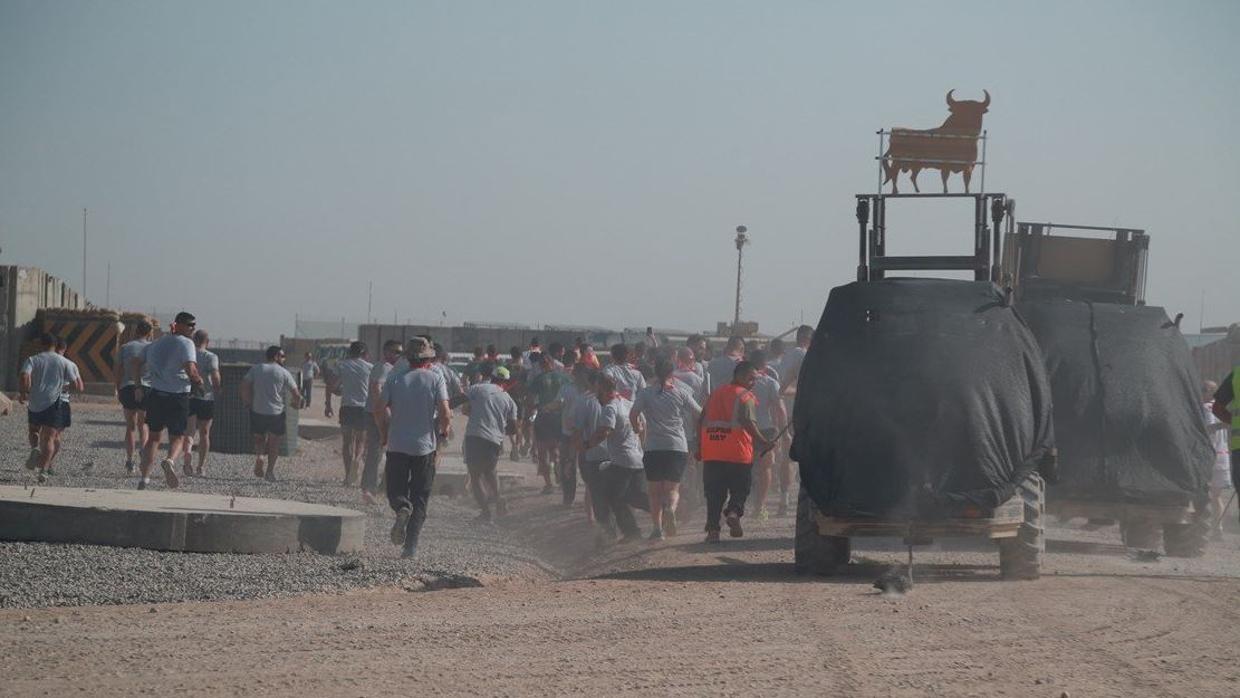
<point x="24" y="291"/>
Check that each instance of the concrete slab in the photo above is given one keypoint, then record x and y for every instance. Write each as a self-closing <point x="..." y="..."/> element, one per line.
<point x="315" y="428"/>
<point x="179" y="521"/>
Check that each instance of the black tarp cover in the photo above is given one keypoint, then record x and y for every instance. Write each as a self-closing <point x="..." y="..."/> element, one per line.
<point x="919" y="395"/>
<point x="1128" y="413"/>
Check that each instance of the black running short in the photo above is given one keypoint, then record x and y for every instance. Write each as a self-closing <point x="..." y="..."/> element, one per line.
<point x="664" y="466"/>
<point x="267" y="423"/>
<point x="202" y="409"/>
<point x="58" y="416"/>
<point x="128" y="401"/>
<point x="352" y="417"/>
<point x="481" y="455"/>
<point x="166" y="411"/>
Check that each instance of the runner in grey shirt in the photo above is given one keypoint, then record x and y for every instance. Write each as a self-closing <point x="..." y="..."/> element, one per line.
<point x="309" y="371"/>
<point x="667" y="408"/>
<point x="619" y="479"/>
<point x="130" y="354"/>
<point x="413" y="413"/>
<point x="790" y="367"/>
<point x="352" y="384"/>
<point x="771" y="419"/>
<point x="267" y="382"/>
<point x="41" y="383"/>
<point x="392" y="350"/>
<point x="164" y="362"/>
<point x="687" y="373"/>
<point x="669" y="411"/>
<point x="202" y="404"/>
<point x="721" y="367"/>
<point x="262" y="390"/>
<point x="628" y="379"/>
<point x="492" y="415"/>
<point x="490" y="411"/>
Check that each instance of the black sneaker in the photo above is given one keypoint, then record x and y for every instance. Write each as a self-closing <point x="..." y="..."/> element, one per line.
<point x="734" y="526"/>
<point x="141" y="484"/>
<point x="656" y="535"/>
<point x="270" y="476"/>
<point x="42" y="477"/>
<point x="32" y="460"/>
<point x="129" y="467"/>
<point x="408" y="551"/>
<point x="399" y="526"/>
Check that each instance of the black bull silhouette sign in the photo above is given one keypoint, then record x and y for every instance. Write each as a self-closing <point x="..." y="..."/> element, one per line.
<point x="949" y="148"/>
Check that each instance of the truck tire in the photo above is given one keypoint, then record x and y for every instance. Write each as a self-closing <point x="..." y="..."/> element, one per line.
<point x="1189" y="539"/>
<point x="1021" y="557"/>
<point x="816" y="553"/>
<point x="1139" y="533"/>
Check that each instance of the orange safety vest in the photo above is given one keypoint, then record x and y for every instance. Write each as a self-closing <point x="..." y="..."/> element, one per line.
<point x="723" y="437"/>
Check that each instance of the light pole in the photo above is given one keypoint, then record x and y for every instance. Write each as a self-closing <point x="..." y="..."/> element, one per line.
<point x="741" y="240"/>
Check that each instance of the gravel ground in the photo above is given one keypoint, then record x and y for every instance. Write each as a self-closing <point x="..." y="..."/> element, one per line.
<point x="456" y="550"/>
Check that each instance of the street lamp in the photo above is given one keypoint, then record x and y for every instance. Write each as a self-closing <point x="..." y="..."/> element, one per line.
<point x="741" y="240"/>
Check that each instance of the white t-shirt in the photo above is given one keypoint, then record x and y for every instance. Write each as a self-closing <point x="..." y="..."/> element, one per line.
<point x="354" y="377"/>
<point x="130" y="350"/>
<point x="309" y="370"/>
<point x="412" y="397"/>
<point x="208" y="363"/>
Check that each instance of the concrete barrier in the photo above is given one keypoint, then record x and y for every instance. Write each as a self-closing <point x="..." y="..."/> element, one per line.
<point x="177" y="521"/>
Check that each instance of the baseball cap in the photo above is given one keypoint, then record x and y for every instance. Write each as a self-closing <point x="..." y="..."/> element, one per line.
<point x="502" y="372"/>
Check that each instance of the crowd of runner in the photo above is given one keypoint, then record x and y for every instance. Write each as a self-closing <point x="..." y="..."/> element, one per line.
<point x="629" y="428"/>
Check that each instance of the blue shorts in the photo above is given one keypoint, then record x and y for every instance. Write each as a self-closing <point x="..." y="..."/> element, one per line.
<point x="58" y="416"/>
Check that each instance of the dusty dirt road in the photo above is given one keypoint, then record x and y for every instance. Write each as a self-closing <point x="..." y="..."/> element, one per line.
<point x="680" y="618"/>
<point x="676" y="618"/>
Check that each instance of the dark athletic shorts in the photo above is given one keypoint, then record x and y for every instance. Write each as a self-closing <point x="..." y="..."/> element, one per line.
<point x="202" y="409"/>
<point x="352" y="417"/>
<point x="664" y="466"/>
<point x="481" y="456"/>
<point x="166" y="411"/>
<point x="128" y="401"/>
<point x="267" y="423"/>
<point x="548" y="427"/>
<point x="57" y="416"/>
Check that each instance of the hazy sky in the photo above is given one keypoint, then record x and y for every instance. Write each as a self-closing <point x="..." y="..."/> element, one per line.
<point x="586" y="162"/>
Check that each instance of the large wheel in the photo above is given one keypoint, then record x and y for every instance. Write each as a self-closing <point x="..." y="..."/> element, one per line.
<point x="1141" y="533"/>
<point x="1189" y="539"/>
<point x="816" y="553"/>
<point x="1021" y="557"/>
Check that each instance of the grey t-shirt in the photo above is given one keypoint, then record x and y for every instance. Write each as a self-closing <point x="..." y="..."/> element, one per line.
<point x="628" y="380"/>
<point x="49" y="373"/>
<point x="165" y="361"/>
<point x="490" y="411"/>
<point x="793" y="359"/>
<point x="450" y="378"/>
<point x="378" y="376"/>
<point x="766" y="389"/>
<point x="586" y="419"/>
<point x="269" y="381"/>
<point x="623" y="448"/>
<point x="354" y="377"/>
<point x="129" y="351"/>
<point x="694" y="382"/>
<point x="720" y="370"/>
<point x="568" y="396"/>
<point x="667" y="410"/>
<point x="208" y="363"/>
<point x="309" y="370"/>
<point x="412" y="397"/>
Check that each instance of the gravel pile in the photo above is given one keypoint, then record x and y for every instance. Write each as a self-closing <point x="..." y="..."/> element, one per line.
<point x="455" y="550"/>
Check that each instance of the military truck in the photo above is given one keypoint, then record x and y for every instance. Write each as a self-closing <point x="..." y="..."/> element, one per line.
<point x="1133" y="446"/>
<point x="923" y="406"/>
